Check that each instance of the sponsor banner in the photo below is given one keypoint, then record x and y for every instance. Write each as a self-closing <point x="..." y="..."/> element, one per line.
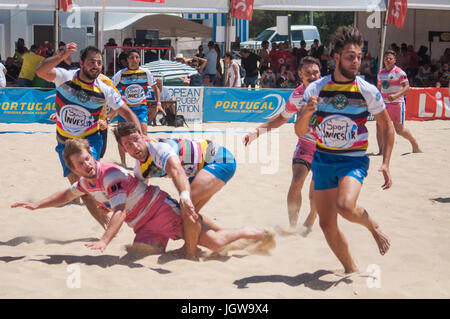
<point x="26" y="105"/>
<point x="189" y="102"/>
<point x="424" y="104"/>
<point x="238" y="105"/>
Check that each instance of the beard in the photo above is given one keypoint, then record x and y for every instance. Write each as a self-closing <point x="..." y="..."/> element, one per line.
<point x="91" y="75"/>
<point x="348" y="74"/>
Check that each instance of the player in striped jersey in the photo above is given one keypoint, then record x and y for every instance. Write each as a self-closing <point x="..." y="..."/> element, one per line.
<point x="393" y="84"/>
<point x="81" y="94"/>
<point x="198" y="169"/>
<point x="342" y="103"/>
<point x="151" y="212"/>
<point x="133" y="83"/>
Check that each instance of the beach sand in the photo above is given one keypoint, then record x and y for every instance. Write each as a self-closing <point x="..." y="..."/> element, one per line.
<point x="42" y="253"/>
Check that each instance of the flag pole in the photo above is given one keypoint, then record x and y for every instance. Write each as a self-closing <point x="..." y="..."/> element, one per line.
<point x="383" y="38"/>
<point x="103" y="24"/>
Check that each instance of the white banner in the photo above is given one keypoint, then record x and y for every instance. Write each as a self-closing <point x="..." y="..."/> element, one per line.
<point x="189" y="102"/>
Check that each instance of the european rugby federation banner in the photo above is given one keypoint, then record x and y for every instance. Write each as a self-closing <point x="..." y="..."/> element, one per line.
<point x="189" y="102"/>
<point x="238" y="105"/>
<point x="26" y="105"/>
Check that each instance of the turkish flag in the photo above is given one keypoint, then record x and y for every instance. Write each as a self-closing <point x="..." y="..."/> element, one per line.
<point x="157" y="1"/>
<point x="66" y="5"/>
<point x="397" y="12"/>
<point x="242" y="9"/>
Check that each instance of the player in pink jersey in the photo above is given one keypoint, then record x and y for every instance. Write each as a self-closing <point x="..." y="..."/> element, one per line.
<point x="393" y="84"/>
<point x="308" y="71"/>
<point x="154" y="216"/>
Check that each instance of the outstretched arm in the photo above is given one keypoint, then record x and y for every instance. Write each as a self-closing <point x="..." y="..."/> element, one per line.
<point x="113" y="228"/>
<point x="46" y="69"/>
<point x="274" y="122"/>
<point x="55" y="200"/>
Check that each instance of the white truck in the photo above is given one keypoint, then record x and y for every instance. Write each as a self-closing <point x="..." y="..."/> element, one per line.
<point x="298" y="33"/>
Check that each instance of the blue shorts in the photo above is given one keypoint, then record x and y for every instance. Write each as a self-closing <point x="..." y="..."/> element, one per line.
<point x="141" y="113"/>
<point x="223" y="165"/>
<point x="96" y="142"/>
<point x="328" y="169"/>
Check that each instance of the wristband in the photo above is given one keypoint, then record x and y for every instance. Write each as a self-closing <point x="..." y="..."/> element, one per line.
<point x="184" y="196"/>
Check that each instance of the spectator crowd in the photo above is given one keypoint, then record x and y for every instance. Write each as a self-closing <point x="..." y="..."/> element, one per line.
<point x="274" y="65"/>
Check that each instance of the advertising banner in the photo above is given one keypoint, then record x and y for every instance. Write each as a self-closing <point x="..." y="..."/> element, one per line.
<point x="189" y="102"/>
<point x="424" y="104"/>
<point x="26" y="105"/>
<point x="237" y="105"/>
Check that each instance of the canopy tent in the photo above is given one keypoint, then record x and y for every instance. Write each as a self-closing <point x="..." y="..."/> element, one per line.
<point x="169" y="26"/>
<point x="220" y="6"/>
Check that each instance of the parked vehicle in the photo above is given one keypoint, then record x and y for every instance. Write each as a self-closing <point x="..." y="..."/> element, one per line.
<point x="298" y="33"/>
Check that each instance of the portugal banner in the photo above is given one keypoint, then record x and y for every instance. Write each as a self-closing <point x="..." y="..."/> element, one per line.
<point x="424" y="104"/>
<point x="242" y="9"/>
<point x="397" y="12"/>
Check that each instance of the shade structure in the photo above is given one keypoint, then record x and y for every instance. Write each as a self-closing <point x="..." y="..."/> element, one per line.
<point x="165" y="69"/>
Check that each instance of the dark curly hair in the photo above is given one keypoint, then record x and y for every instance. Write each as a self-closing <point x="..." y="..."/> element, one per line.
<point x="344" y="36"/>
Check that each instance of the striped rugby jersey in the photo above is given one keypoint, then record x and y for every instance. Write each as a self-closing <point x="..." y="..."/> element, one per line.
<point x="134" y="85"/>
<point x="193" y="155"/>
<point x="116" y="186"/>
<point x="390" y="83"/>
<point x="342" y="111"/>
<point x="79" y="104"/>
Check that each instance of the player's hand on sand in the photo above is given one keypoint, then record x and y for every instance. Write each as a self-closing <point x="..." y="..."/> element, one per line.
<point x="188" y="209"/>
<point x="27" y="205"/>
<point x="98" y="245"/>
<point x="384" y="169"/>
<point x="250" y="137"/>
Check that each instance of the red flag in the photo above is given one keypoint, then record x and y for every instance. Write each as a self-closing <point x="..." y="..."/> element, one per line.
<point x="157" y="1"/>
<point x="242" y="9"/>
<point x="397" y="12"/>
<point x="66" y="5"/>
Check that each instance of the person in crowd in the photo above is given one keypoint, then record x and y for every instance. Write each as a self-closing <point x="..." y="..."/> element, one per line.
<point x="273" y="57"/>
<point x="219" y="79"/>
<point x="423" y="78"/>
<point x="234" y="76"/>
<point x="211" y="62"/>
<point x="31" y="60"/>
<point x="199" y="64"/>
<point x="413" y="64"/>
<point x="285" y="78"/>
<point x="249" y="62"/>
<point x="301" y="52"/>
<point x="268" y="79"/>
<point x="109" y="56"/>
<point x="200" y="53"/>
<point x="21" y="49"/>
<point x="263" y="54"/>
<point x="366" y="68"/>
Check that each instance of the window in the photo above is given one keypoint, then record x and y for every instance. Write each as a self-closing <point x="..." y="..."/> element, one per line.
<point x="297" y="35"/>
<point x="265" y="35"/>
<point x="311" y="34"/>
<point x="279" y="38"/>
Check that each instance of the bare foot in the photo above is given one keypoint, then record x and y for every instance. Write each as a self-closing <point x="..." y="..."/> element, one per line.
<point x="283" y="231"/>
<point x="382" y="240"/>
<point x="417" y="150"/>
